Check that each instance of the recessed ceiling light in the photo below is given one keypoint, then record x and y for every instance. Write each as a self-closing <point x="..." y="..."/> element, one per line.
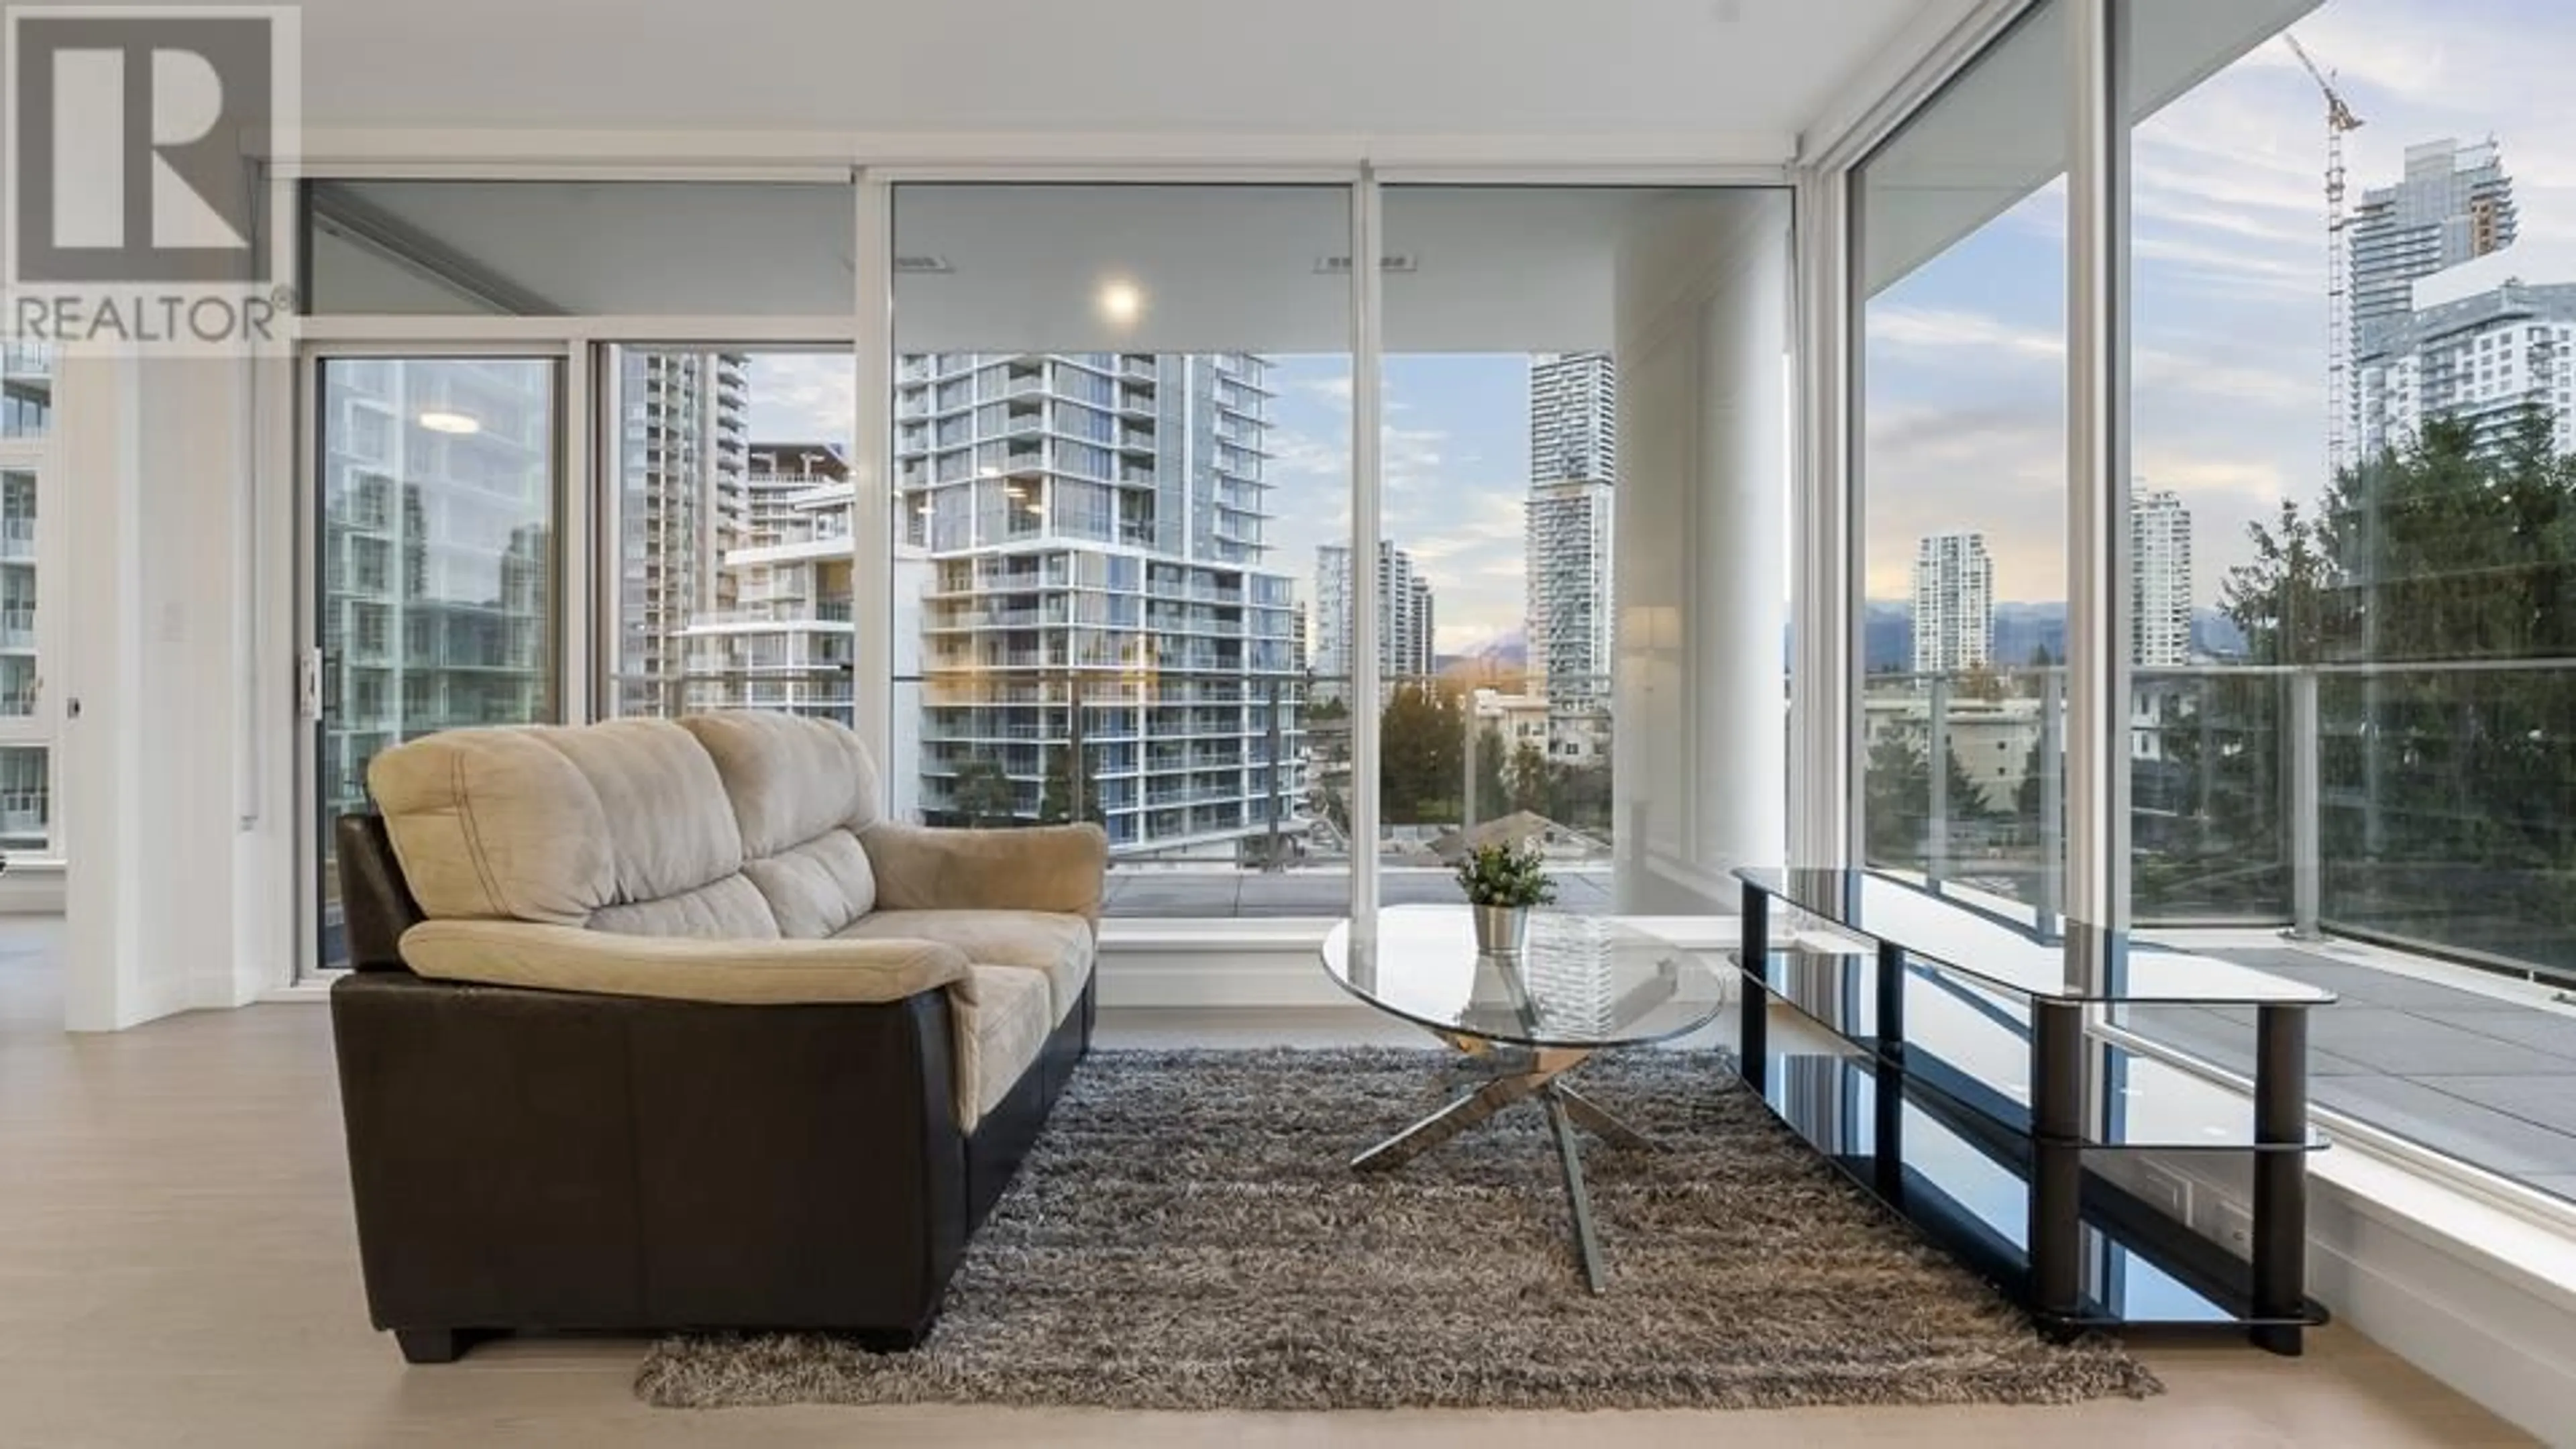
<point x="440" y="422"/>
<point x="1121" y="302"/>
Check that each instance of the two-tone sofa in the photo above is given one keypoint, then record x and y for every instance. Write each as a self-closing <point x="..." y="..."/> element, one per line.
<point x="662" y="1025"/>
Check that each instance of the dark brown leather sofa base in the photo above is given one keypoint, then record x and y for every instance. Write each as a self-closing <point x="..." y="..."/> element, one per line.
<point x="554" y="1161"/>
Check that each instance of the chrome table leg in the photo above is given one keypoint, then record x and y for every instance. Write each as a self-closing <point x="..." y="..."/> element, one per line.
<point x="1585" y="1244"/>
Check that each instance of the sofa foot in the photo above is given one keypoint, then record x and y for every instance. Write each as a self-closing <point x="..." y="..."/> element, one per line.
<point x="433" y="1345"/>
<point x="889" y="1340"/>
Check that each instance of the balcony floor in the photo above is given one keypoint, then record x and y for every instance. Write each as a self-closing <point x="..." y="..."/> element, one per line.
<point x="2487" y="1076"/>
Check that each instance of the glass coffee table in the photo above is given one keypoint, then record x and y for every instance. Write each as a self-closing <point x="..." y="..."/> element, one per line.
<point x="1583" y="984"/>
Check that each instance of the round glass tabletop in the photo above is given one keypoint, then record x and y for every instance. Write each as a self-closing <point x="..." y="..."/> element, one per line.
<point x="1581" y="982"/>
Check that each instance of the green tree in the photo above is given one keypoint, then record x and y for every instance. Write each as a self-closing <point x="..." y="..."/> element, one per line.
<point x="1055" y="791"/>
<point x="1422" y="747"/>
<point x="1579" y="795"/>
<point x="2028" y="794"/>
<point x="1493" y="796"/>
<point x="1896" y="800"/>
<point x="1529" y="778"/>
<point x="2459" y="543"/>
<point x="2279" y="598"/>
<point x="984" y="795"/>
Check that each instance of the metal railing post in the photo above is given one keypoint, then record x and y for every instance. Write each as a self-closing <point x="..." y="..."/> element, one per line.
<point x="1467" y="807"/>
<point x="2052" y="791"/>
<point x="1075" y="785"/>
<point x="2307" y="861"/>
<point x="1936" y="729"/>
<point x="1277" y="793"/>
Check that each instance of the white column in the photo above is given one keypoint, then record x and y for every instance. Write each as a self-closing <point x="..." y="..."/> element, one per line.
<point x="1701" y="752"/>
<point x="173" y="892"/>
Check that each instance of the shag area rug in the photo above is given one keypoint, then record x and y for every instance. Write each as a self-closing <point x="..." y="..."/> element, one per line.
<point x="1188" y="1234"/>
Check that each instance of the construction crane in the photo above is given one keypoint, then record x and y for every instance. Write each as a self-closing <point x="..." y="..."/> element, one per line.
<point x="2339" y="119"/>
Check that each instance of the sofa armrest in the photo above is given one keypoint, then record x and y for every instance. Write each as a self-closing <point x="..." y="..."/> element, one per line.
<point x="552" y="1159"/>
<point x="1059" y="868"/>
<point x="739" y="972"/>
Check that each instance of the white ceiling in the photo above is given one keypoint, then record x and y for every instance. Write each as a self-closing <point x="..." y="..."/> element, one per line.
<point x="1757" y="70"/>
<point x="1218" y="268"/>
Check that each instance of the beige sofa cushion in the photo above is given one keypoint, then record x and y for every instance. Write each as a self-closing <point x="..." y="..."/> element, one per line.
<point x="495" y="823"/>
<point x="564" y="826"/>
<point x="816" y="888"/>
<point x="1056" y="947"/>
<point x="1055" y="868"/>
<point x="1000" y="1032"/>
<point x="747" y="973"/>
<point x="791" y="778"/>
<point x="799" y="788"/>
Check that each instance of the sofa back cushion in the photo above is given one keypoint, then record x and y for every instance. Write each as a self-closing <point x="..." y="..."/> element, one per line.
<point x="802" y="789"/>
<point x="623" y="826"/>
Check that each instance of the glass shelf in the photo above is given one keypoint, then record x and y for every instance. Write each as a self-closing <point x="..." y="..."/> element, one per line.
<point x="2020" y="950"/>
<point x="1967" y="1187"/>
<point x="1973" y="1046"/>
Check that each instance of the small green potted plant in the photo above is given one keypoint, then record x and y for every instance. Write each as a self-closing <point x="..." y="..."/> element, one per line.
<point x="1502" y="883"/>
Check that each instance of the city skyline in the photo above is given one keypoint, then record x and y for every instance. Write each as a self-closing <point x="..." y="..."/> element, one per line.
<point x="1407" y="609"/>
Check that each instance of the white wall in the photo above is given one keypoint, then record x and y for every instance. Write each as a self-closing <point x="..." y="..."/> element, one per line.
<point x="173" y="789"/>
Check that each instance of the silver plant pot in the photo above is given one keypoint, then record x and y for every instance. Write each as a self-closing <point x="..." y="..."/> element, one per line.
<point x="1501" y="930"/>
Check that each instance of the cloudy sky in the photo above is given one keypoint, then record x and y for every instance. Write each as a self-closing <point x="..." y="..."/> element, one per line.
<point x="1966" y="355"/>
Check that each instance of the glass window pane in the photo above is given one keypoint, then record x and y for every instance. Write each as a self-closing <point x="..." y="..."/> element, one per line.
<point x="25" y="799"/>
<point x="1570" y="417"/>
<point x="1961" y="235"/>
<point x="18" y="594"/>
<point x="436" y="593"/>
<point x="579" y="248"/>
<point x="2353" y="560"/>
<point x="732" y="531"/>
<point x="1122" y="422"/>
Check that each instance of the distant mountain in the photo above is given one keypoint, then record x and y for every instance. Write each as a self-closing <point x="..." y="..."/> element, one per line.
<point x="1505" y="653"/>
<point x="2021" y="632"/>
<point x="2216" y="635"/>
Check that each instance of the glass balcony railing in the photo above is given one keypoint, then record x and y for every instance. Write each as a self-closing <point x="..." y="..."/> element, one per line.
<point x="2431" y="805"/>
<point x="1229" y="794"/>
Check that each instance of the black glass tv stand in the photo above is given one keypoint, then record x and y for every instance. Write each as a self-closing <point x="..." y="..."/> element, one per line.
<point x="1955" y="1073"/>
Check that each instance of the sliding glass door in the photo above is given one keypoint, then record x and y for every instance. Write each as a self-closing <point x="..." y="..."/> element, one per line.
<point x="435" y="591"/>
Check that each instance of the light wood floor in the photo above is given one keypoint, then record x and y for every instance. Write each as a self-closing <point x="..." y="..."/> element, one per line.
<point x="177" y="1266"/>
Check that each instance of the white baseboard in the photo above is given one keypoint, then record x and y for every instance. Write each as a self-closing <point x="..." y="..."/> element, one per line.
<point x="2476" y="1296"/>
